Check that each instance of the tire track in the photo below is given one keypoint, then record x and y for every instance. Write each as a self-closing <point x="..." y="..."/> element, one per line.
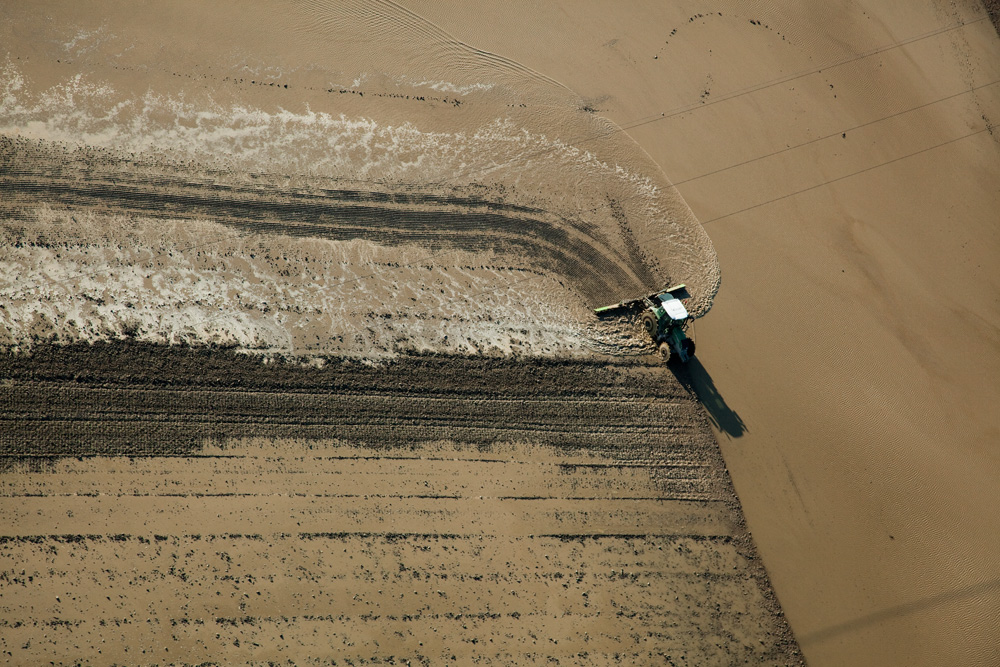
<point x="598" y="264"/>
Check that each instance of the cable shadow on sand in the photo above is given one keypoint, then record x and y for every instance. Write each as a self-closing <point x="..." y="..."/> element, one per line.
<point x="982" y="589"/>
<point x="697" y="380"/>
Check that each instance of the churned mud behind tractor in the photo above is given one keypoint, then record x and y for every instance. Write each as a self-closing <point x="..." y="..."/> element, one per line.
<point x="665" y="319"/>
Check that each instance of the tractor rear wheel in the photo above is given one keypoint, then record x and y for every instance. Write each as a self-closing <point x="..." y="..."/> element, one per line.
<point x="650" y="324"/>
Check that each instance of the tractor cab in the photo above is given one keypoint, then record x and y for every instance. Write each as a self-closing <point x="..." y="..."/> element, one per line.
<point x="664" y="317"/>
<point x="665" y="320"/>
<point x="673" y="308"/>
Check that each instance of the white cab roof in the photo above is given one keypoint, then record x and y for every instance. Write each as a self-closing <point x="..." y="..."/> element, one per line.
<point x="675" y="309"/>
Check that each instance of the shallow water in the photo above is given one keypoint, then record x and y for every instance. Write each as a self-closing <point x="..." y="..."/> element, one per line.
<point x="323" y="97"/>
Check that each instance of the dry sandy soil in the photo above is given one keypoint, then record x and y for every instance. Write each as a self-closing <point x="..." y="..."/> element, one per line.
<point x="167" y="506"/>
<point x="844" y="159"/>
<point x="299" y="364"/>
<point x="340" y="182"/>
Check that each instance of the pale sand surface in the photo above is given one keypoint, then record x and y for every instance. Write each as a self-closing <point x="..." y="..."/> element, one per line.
<point x="854" y="341"/>
<point x="183" y="507"/>
<point x="849" y="357"/>
<point x="299" y="364"/>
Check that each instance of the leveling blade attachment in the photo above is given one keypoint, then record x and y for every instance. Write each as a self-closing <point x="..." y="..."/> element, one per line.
<point x="621" y="305"/>
<point x="640" y="301"/>
<point x="664" y="317"/>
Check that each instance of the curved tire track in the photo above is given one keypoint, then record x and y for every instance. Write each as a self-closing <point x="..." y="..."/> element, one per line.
<point x="598" y="266"/>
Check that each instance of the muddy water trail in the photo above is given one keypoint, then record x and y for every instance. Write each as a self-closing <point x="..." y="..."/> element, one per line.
<point x="343" y="122"/>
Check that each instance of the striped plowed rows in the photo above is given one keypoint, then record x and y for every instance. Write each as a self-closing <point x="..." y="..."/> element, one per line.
<point x="350" y="598"/>
<point x="67" y="420"/>
<point x="145" y="400"/>
<point x="178" y="506"/>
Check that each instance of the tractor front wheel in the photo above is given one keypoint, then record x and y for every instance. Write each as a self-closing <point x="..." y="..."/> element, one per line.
<point x="650" y="324"/>
<point x="688" y="346"/>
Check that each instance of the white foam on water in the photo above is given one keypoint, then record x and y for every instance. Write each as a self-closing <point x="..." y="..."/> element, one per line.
<point x="80" y="111"/>
<point x="445" y="86"/>
<point x="521" y="165"/>
<point x="101" y="278"/>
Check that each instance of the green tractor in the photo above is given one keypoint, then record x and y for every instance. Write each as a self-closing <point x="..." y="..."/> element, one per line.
<point x="664" y="317"/>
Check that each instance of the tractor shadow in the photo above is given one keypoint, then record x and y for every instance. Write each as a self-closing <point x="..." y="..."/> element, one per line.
<point x="697" y="380"/>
